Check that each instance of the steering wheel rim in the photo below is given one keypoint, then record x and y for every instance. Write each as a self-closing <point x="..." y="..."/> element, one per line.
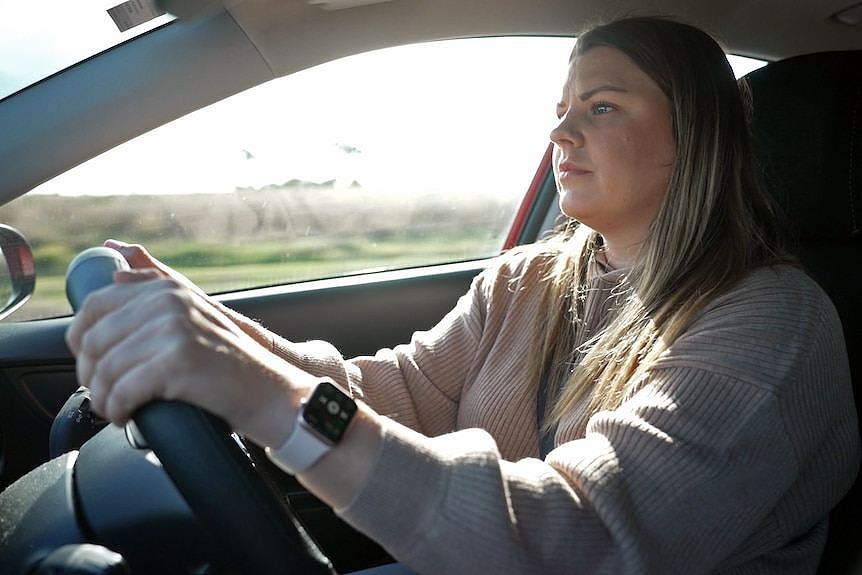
<point x="222" y="488"/>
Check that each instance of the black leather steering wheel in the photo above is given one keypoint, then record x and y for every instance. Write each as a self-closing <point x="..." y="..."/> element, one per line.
<point x="256" y="531"/>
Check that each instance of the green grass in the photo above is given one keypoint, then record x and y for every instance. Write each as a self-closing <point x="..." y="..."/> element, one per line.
<point x="274" y="235"/>
<point x="230" y="268"/>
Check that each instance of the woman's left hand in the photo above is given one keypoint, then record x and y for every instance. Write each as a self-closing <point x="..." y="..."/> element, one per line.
<point x="147" y="337"/>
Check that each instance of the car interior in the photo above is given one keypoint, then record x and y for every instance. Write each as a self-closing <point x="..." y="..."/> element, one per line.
<point x="807" y="127"/>
<point x="818" y="185"/>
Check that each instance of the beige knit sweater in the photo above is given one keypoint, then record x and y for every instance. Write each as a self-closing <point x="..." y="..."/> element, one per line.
<point x="725" y="458"/>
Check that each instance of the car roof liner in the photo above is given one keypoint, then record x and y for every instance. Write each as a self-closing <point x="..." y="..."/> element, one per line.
<point x="336" y="26"/>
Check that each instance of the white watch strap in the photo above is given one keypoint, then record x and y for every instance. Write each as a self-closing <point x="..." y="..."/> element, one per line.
<point x="301" y="450"/>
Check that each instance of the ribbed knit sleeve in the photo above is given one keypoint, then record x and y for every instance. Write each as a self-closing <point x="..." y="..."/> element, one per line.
<point x="419" y="384"/>
<point x="725" y="457"/>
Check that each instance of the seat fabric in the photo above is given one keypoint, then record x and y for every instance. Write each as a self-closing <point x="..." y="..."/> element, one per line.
<point x="807" y="127"/>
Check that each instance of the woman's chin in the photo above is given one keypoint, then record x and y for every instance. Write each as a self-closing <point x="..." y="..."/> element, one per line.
<point x="573" y="207"/>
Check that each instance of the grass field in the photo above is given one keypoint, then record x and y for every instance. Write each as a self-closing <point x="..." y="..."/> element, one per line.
<point x="259" y="237"/>
<point x="49" y="299"/>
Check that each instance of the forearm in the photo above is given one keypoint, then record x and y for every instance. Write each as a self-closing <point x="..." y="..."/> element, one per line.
<point x="444" y="505"/>
<point x="452" y="504"/>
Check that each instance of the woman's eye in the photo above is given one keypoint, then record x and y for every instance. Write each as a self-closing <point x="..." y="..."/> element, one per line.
<point x="602" y="108"/>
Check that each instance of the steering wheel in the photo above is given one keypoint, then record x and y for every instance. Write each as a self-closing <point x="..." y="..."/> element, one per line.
<point x="256" y="531"/>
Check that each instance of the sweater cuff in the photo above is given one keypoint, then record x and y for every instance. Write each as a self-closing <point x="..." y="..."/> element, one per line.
<point x="409" y="472"/>
<point x="401" y="502"/>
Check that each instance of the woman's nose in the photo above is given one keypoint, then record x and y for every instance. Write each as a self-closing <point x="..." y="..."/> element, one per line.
<point x="567" y="133"/>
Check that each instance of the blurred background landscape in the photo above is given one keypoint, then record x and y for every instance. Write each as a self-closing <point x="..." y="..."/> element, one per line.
<point x="259" y="236"/>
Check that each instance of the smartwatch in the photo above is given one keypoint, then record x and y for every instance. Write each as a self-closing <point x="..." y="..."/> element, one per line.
<point x="320" y="425"/>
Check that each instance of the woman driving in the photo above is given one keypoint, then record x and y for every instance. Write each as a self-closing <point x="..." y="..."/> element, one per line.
<point x="657" y="388"/>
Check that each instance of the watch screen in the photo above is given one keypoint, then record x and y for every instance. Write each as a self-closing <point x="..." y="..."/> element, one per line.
<point x="329" y="410"/>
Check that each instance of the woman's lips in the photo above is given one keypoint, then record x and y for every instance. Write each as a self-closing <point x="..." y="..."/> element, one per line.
<point x="572" y="169"/>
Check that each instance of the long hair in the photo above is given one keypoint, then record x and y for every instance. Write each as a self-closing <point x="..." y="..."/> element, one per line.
<point x="716" y="222"/>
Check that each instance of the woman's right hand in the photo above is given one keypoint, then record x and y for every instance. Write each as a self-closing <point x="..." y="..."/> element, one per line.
<point x="146" y="338"/>
<point x="139" y="258"/>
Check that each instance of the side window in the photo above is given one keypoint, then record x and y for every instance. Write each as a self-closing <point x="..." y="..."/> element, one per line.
<point x="402" y="157"/>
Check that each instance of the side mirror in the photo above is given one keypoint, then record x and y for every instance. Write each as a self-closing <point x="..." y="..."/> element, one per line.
<point x="17" y="270"/>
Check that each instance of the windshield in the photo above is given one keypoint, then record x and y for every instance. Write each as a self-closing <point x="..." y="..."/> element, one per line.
<point x="41" y="37"/>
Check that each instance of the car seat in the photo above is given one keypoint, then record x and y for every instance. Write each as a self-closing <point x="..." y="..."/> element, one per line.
<point x="807" y="124"/>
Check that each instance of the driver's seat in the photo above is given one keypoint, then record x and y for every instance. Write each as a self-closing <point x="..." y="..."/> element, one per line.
<point x="807" y="123"/>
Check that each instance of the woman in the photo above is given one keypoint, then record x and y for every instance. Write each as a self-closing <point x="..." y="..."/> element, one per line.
<point x="642" y="393"/>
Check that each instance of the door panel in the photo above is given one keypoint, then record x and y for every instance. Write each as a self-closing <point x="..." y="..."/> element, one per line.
<point x="360" y="314"/>
<point x="357" y="314"/>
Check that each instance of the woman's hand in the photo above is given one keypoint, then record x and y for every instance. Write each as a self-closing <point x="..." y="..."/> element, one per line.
<point x="139" y="258"/>
<point x="154" y="335"/>
<point x="150" y="337"/>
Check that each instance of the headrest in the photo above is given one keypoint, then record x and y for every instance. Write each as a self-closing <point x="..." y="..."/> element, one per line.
<point x="807" y="124"/>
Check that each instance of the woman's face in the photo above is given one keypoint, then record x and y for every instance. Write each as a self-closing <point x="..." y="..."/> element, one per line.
<point x="613" y="147"/>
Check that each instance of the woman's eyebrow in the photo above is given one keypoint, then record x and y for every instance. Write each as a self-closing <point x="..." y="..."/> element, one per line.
<point x="583" y="96"/>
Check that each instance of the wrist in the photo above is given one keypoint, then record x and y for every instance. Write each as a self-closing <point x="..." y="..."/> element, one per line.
<point x="321" y="423"/>
<point x="271" y="417"/>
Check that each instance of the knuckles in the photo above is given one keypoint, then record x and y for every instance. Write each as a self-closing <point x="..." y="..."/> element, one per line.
<point x="88" y="342"/>
<point x="170" y="295"/>
<point x="105" y="368"/>
<point x="167" y="311"/>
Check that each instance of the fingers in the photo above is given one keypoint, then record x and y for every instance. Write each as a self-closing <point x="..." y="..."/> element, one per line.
<point x="148" y="337"/>
<point x="127" y="336"/>
<point x="148" y="306"/>
<point x="189" y="360"/>
<point x="128" y="393"/>
<point x="142" y="353"/>
<point x="137" y="256"/>
<point x="134" y="357"/>
<point x="102" y="303"/>
<point x="136" y="275"/>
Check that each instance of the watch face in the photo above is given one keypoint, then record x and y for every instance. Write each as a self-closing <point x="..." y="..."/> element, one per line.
<point x="329" y="410"/>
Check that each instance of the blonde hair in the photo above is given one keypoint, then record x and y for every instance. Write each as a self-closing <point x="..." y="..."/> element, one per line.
<point x="716" y="223"/>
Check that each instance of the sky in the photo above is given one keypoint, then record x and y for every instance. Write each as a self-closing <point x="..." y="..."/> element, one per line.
<point x="475" y="112"/>
<point x="39" y="37"/>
